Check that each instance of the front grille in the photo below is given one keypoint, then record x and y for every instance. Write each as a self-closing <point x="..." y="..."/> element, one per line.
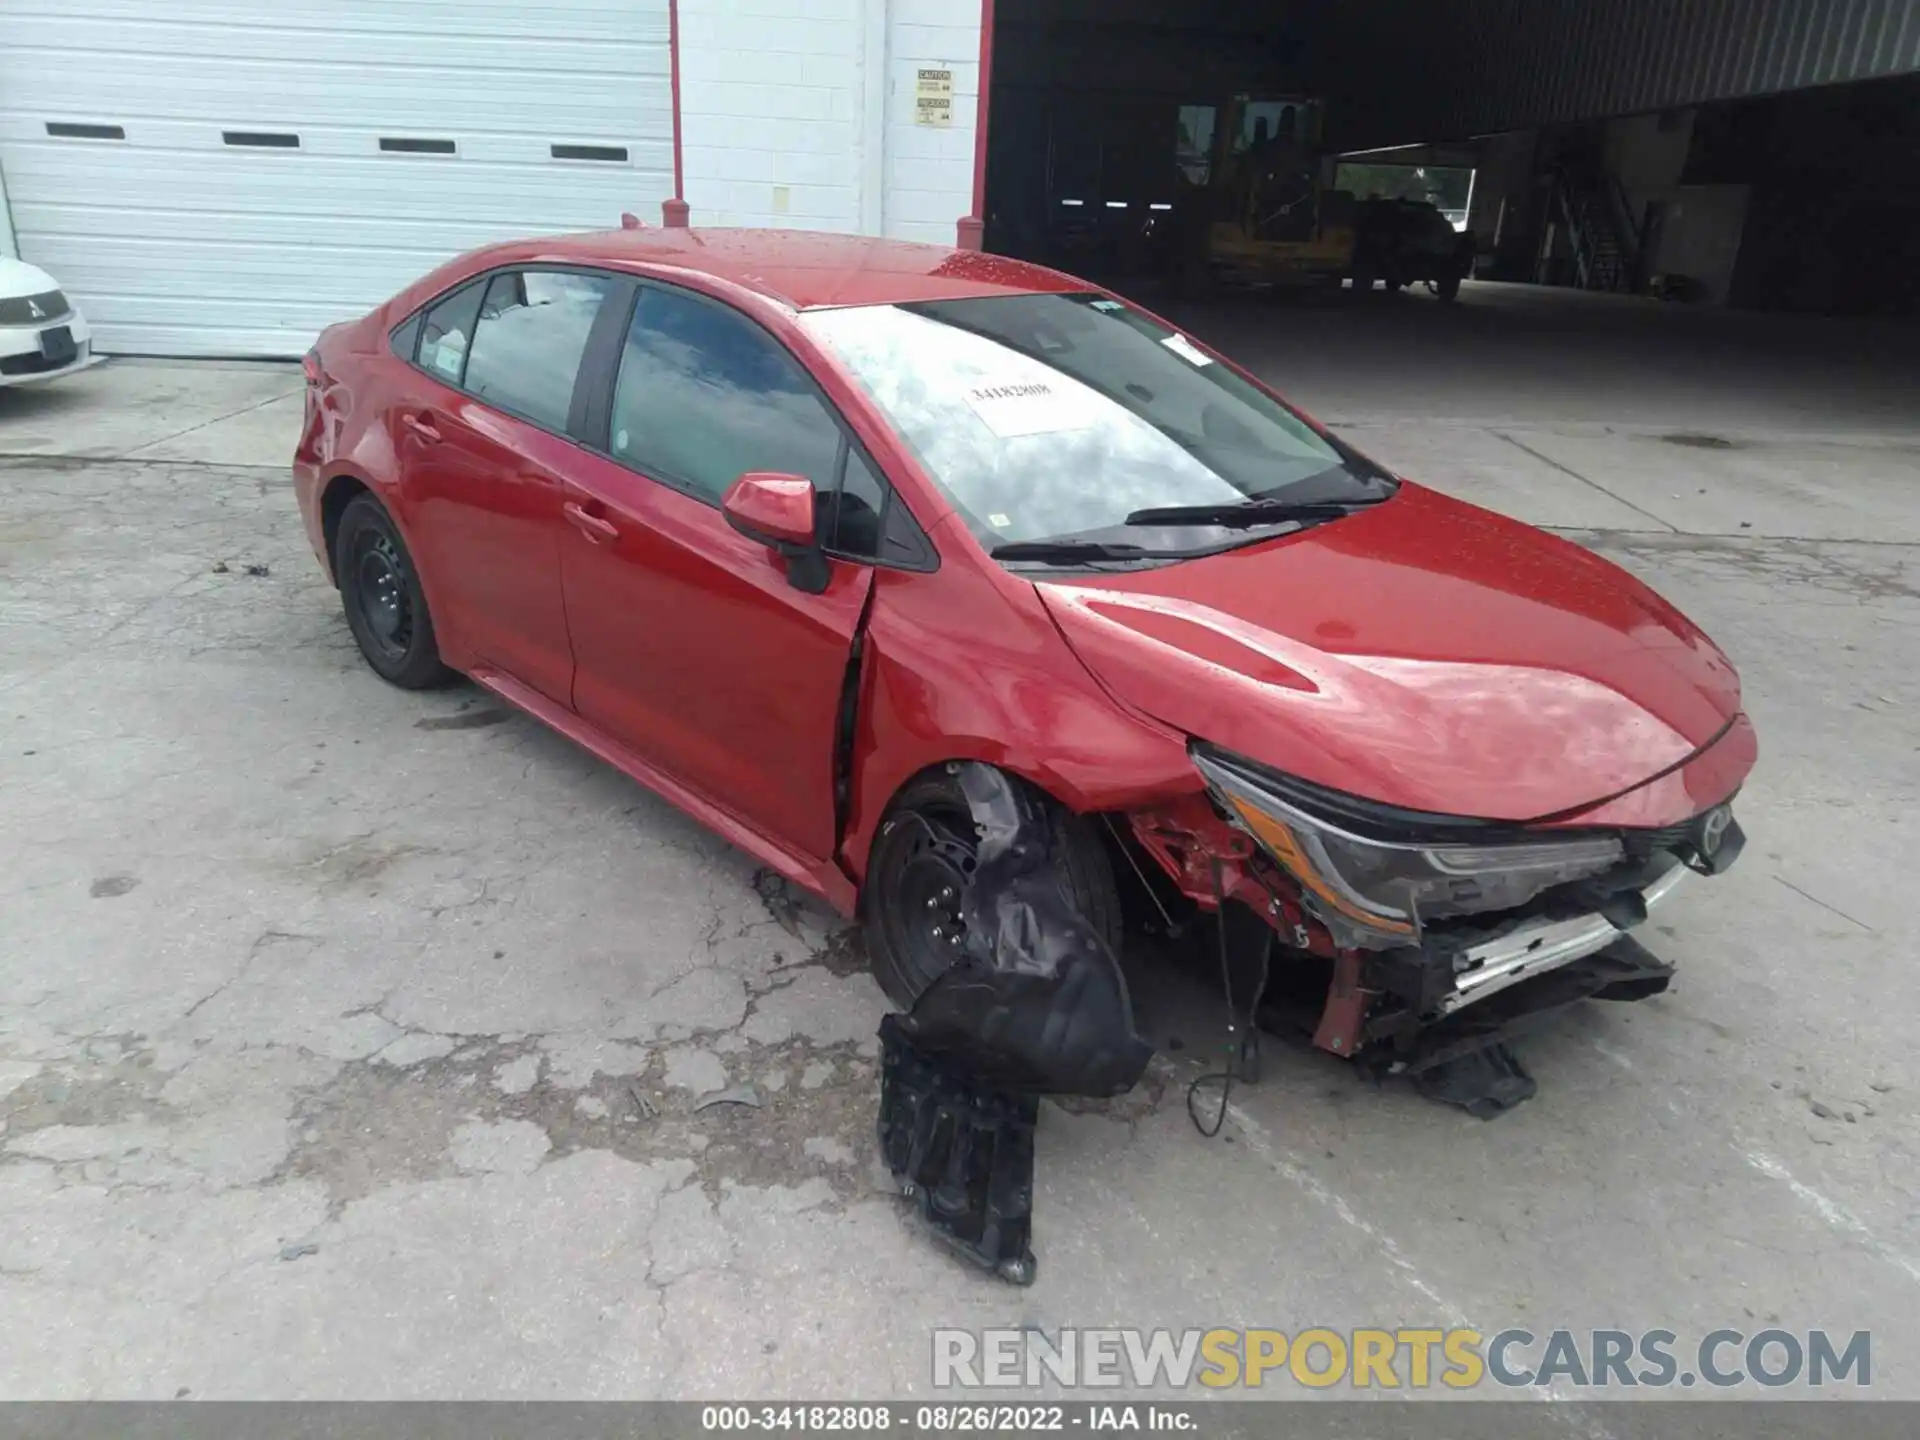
<point x="38" y="364"/>
<point x="33" y="309"/>
<point x="1641" y="844"/>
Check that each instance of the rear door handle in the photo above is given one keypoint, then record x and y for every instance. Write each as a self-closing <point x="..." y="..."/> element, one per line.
<point x="592" y="526"/>
<point x="421" y="425"/>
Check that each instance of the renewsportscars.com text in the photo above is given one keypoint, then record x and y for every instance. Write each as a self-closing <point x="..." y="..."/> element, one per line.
<point x="1400" y="1359"/>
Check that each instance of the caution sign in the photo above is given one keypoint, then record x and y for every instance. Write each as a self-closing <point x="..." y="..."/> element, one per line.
<point x="933" y="98"/>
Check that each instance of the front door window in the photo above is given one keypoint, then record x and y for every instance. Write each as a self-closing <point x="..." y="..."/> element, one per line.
<point x="704" y="396"/>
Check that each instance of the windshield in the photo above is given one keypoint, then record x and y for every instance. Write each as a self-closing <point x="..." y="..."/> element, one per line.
<point x="1051" y="417"/>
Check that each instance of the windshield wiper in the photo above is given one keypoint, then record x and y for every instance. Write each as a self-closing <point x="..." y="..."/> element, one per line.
<point x="1047" y="552"/>
<point x="1246" y="513"/>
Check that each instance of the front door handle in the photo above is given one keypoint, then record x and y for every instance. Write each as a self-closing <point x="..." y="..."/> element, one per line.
<point x="591" y="526"/>
<point x="421" y="425"/>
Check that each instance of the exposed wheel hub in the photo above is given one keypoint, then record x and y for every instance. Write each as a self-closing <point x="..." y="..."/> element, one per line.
<point x="933" y="879"/>
<point x="381" y="589"/>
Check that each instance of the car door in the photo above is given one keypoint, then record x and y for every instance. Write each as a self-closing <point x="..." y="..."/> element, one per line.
<point x="483" y="443"/>
<point x="690" y="644"/>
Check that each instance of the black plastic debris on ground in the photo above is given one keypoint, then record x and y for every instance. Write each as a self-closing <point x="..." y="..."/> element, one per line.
<point x="1484" y="1083"/>
<point x="1034" y="1004"/>
<point x="962" y="1152"/>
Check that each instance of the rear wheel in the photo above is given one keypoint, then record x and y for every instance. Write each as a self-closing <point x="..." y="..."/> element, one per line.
<point x="1363" y="276"/>
<point x="380" y="591"/>
<point x="922" y="863"/>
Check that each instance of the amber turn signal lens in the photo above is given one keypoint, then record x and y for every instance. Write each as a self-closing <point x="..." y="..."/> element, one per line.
<point x="1280" y="840"/>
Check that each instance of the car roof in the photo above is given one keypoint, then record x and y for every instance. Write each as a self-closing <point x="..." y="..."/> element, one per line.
<point x="805" y="269"/>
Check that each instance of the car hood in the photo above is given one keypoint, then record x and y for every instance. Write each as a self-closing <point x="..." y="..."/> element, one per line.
<point x="18" y="278"/>
<point x="1424" y="653"/>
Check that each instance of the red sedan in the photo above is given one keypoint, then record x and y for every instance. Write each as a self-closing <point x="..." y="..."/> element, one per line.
<point x="804" y="531"/>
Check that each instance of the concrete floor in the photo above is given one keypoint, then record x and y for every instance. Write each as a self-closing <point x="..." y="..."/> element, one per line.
<point x="326" y="1011"/>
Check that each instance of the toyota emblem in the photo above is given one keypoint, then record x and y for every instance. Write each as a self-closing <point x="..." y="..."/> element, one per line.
<point x="1713" y="829"/>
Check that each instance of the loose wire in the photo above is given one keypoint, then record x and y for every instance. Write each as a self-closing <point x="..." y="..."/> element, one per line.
<point x="1242" y="1045"/>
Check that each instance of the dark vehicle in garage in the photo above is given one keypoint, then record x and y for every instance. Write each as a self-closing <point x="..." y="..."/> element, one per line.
<point x="827" y="538"/>
<point x="1405" y="242"/>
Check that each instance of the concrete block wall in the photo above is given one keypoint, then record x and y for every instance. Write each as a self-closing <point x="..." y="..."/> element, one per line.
<point x="9" y="247"/>
<point x="800" y="114"/>
<point x="929" y="172"/>
<point x="768" y="112"/>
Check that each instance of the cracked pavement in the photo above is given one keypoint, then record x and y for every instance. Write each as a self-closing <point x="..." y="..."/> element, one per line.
<point x="362" y="1044"/>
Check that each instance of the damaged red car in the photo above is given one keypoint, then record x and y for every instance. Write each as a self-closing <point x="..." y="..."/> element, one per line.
<point x="888" y="561"/>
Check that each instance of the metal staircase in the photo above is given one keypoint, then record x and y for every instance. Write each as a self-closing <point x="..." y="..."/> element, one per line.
<point x="1589" y="202"/>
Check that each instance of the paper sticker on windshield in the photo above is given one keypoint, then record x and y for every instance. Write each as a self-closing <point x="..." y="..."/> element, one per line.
<point x="1024" y="407"/>
<point x="1109" y="307"/>
<point x="1186" y="350"/>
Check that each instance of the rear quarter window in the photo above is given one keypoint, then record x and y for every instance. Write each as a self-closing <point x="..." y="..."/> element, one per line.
<point x="406" y="339"/>
<point x="447" y="330"/>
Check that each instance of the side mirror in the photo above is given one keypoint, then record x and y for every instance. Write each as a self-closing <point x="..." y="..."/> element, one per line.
<point x="777" y="511"/>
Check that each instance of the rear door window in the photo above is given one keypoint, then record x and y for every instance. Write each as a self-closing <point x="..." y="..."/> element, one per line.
<point x="532" y="332"/>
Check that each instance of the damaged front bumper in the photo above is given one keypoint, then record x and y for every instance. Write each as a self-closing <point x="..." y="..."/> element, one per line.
<point x="1422" y="916"/>
<point x="1379" y="878"/>
<point x="1464" y="1059"/>
<point x="1536" y="946"/>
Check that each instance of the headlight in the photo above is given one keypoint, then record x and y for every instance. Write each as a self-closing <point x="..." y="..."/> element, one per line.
<point x="1374" y="893"/>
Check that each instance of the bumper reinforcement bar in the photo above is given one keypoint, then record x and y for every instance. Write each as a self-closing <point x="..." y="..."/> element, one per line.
<point x="1536" y="949"/>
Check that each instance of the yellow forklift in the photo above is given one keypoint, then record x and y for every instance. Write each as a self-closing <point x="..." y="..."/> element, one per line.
<point x="1257" y="203"/>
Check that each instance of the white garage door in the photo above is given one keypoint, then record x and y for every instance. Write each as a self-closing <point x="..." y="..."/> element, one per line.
<point x="210" y="177"/>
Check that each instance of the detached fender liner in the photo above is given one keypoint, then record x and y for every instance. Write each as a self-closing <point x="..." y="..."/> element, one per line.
<point x="1036" y="1000"/>
<point x="1034" y="1004"/>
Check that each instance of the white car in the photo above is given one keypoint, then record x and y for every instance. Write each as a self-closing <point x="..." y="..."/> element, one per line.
<point x="42" y="336"/>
